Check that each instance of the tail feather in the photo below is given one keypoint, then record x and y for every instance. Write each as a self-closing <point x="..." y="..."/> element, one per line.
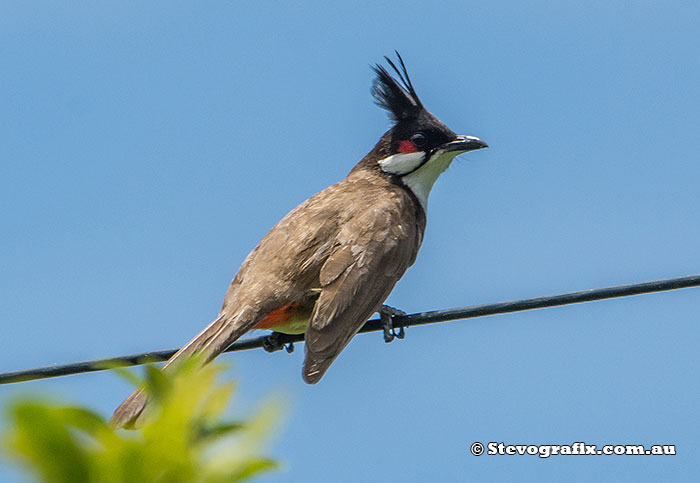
<point x="210" y="342"/>
<point x="127" y="414"/>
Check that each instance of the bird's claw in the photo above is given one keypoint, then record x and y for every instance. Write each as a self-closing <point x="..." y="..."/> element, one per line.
<point x="387" y="314"/>
<point x="272" y="343"/>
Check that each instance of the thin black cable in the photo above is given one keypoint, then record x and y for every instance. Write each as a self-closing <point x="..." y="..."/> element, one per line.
<point x="374" y="325"/>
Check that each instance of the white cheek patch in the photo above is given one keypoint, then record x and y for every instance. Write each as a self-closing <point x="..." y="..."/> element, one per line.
<point x="401" y="163"/>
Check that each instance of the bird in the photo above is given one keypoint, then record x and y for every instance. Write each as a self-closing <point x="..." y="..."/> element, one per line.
<point x="331" y="262"/>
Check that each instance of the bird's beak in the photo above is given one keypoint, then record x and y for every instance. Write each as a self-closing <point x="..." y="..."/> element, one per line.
<point x="463" y="144"/>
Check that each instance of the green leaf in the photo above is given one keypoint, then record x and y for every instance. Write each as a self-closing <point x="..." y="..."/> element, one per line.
<point x="184" y="437"/>
<point x="42" y="441"/>
<point x="127" y="375"/>
<point x="157" y="383"/>
<point x="207" y="433"/>
<point x="249" y="469"/>
<point x="88" y="421"/>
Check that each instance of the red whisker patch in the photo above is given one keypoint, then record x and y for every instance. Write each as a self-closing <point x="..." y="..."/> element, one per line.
<point x="407" y="147"/>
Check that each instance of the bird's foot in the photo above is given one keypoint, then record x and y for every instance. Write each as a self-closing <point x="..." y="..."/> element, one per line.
<point x="388" y="314"/>
<point x="272" y="343"/>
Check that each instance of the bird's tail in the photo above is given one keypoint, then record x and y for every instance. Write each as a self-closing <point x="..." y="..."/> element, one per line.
<point x="208" y="344"/>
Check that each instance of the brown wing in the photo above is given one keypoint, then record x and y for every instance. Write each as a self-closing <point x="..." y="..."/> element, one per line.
<point x="372" y="252"/>
<point x="279" y="271"/>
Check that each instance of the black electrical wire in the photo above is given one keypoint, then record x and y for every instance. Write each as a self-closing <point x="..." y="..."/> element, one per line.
<point x="373" y="326"/>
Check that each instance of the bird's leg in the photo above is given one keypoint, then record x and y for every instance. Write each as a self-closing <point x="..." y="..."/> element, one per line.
<point x="387" y="314"/>
<point x="272" y="343"/>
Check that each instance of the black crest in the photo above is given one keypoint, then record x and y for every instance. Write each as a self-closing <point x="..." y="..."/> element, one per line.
<point x="397" y="97"/>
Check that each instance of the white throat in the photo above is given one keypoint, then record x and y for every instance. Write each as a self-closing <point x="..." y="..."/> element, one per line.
<point x="421" y="181"/>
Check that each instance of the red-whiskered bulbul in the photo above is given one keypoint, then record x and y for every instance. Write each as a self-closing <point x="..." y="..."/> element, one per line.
<point x="328" y="265"/>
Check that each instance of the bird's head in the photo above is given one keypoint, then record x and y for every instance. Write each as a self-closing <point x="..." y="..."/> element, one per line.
<point x="419" y="147"/>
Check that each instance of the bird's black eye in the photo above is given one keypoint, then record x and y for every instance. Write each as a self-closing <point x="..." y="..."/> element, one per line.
<point x="418" y="139"/>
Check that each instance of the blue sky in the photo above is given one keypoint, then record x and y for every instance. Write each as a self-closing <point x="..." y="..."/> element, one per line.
<point x="148" y="146"/>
